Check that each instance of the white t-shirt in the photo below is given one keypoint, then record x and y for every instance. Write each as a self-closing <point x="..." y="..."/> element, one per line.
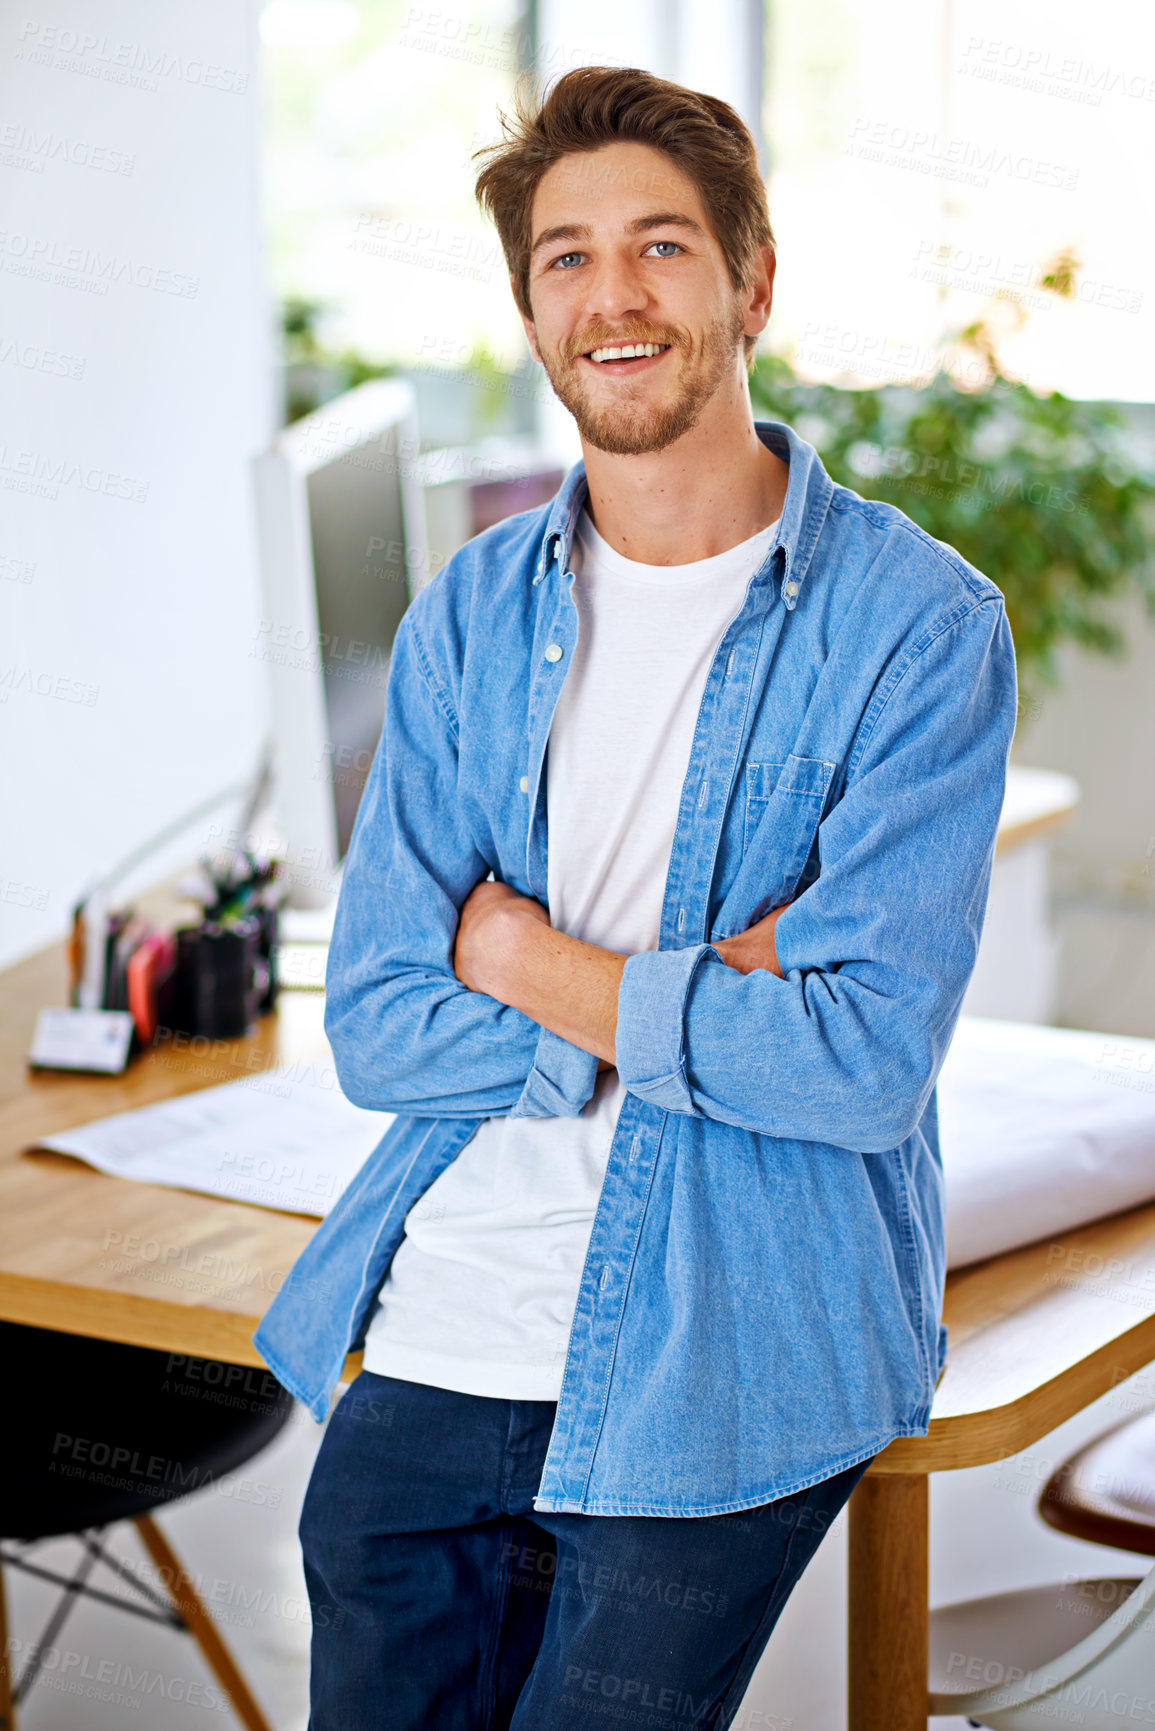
<point x="481" y="1291"/>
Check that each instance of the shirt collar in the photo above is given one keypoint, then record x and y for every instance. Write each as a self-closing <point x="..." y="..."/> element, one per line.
<point x="809" y="490"/>
<point x="559" y="525"/>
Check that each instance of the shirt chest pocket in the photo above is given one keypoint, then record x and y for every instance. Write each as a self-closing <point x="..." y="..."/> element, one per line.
<point x="784" y="804"/>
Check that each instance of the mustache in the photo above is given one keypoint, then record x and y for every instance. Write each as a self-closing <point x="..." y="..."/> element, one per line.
<point x="601" y="336"/>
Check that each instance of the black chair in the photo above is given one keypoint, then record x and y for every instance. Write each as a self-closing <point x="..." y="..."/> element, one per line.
<point x="102" y="1432"/>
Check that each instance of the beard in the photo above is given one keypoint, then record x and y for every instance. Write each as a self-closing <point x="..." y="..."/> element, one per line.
<point x="629" y="426"/>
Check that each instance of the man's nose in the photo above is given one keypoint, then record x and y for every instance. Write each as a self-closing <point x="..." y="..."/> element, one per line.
<point x="618" y="291"/>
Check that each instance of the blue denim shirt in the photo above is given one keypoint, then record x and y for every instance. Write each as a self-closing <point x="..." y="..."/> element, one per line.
<point x="760" y="1303"/>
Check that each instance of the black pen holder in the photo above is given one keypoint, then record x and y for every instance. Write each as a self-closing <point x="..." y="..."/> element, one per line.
<point x="267" y="957"/>
<point x="222" y="981"/>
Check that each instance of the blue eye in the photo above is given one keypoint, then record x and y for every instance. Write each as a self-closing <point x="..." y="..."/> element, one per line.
<point x="565" y="256"/>
<point x="673" y="246"/>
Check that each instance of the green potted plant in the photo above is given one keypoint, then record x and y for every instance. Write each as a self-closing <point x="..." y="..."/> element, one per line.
<point x="1047" y="496"/>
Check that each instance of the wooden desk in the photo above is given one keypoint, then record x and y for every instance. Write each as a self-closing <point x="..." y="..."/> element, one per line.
<point x="95" y="1255"/>
<point x="1036" y="802"/>
<point x="1035" y="1335"/>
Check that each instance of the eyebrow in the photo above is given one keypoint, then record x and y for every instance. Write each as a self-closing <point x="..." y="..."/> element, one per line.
<point x="640" y="225"/>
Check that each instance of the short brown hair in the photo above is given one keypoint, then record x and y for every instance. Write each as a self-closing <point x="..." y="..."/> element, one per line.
<point x="597" y="105"/>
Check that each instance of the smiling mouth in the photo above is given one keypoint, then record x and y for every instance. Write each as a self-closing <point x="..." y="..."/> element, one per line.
<point x="630" y="356"/>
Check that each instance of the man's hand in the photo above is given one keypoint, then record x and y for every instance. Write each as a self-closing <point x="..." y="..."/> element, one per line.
<point x="754" y="948"/>
<point x="486" y="937"/>
<point x="507" y="948"/>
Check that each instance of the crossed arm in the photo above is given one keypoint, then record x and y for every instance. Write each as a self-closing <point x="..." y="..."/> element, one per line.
<point x="480" y="1008"/>
<point x="506" y="948"/>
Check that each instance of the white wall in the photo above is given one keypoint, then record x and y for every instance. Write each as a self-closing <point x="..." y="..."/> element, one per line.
<point x="1100" y="728"/>
<point x="130" y="248"/>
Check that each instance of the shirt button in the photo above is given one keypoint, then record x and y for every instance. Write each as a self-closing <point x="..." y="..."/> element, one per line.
<point x="791" y="588"/>
<point x="524" y="784"/>
<point x="554" y="652"/>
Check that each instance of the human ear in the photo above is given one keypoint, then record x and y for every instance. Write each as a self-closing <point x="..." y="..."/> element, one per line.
<point x="531" y="338"/>
<point x="760" y="295"/>
<point x="530" y="332"/>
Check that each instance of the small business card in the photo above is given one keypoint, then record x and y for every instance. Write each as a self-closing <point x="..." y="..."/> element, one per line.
<point x="81" y="1040"/>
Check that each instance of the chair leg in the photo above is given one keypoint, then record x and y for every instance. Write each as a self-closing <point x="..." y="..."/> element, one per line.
<point x="7" y="1715"/>
<point x="65" y="1605"/>
<point x="201" y="1626"/>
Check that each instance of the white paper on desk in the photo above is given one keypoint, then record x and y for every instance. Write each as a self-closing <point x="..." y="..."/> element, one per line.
<point x="286" y="1138"/>
<point x="1041" y="1130"/>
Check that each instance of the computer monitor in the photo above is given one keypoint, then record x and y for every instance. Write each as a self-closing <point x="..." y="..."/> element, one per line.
<point x="353" y="522"/>
<point x="343" y="549"/>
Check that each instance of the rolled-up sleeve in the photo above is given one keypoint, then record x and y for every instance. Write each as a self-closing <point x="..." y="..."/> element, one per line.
<point x="877" y="952"/>
<point x="561" y="1081"/>
<point x="650" y="1043"/>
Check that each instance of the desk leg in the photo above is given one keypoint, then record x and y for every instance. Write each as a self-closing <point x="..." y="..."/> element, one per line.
<point x="888" y="1603"/>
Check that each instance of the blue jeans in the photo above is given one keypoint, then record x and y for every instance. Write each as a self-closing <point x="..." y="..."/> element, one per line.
<point x="442" y="1602"/>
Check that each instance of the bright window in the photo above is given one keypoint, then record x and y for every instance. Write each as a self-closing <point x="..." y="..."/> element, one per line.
<point x="928" y="158"/>
<point x="372" y="112"/>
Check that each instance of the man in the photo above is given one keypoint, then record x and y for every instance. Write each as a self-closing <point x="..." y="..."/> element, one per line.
<point x="649" y="1266"/>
